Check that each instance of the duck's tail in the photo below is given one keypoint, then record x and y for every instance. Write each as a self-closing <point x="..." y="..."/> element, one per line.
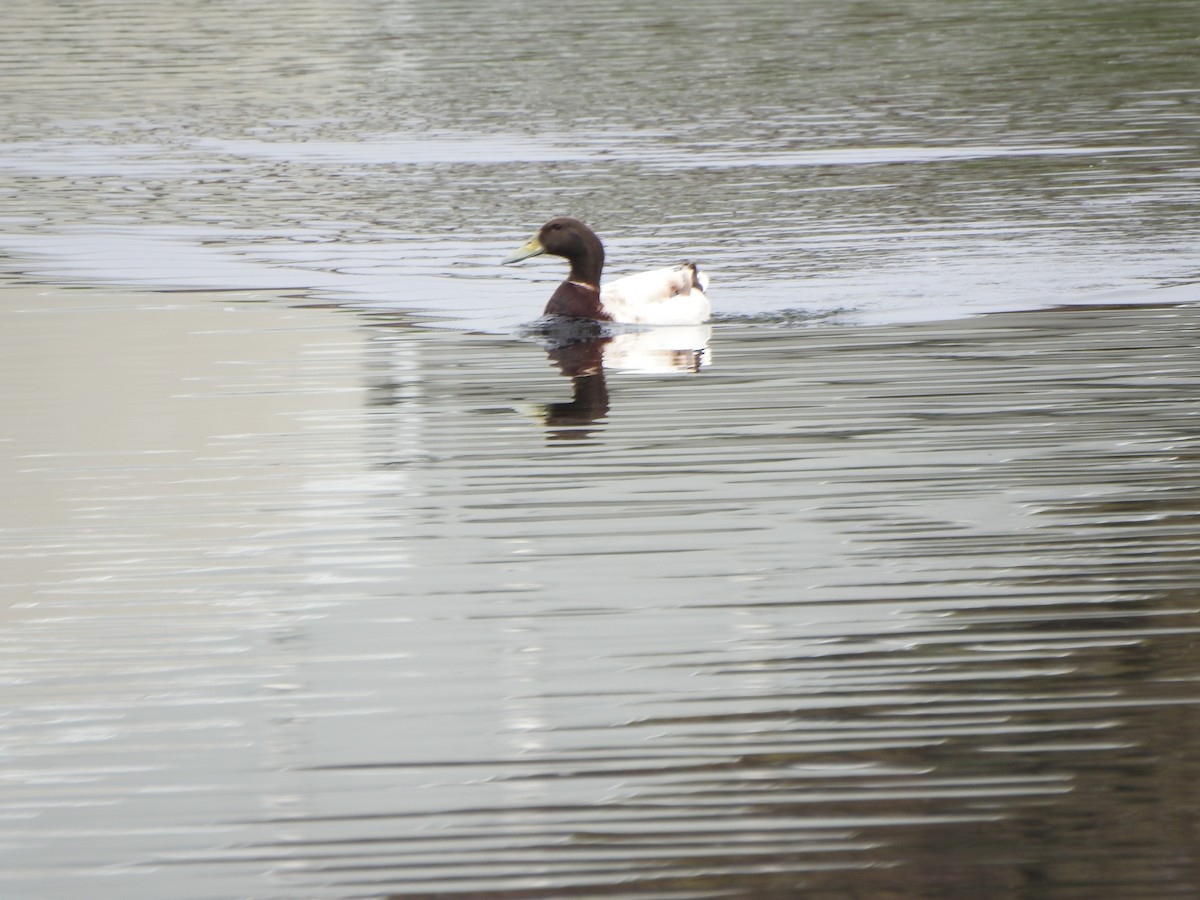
<point x="699" y="278"/>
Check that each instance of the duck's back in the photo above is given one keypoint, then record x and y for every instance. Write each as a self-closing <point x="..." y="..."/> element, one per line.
<point x="670" y="296"/>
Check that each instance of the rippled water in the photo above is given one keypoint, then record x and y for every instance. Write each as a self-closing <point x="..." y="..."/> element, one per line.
<point x="854" y="594"/>
<point x="874" y="161"/>
<point x="327" y="608"/>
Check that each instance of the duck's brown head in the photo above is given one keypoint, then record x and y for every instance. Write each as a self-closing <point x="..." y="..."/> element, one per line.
<point x="572" y="240"/>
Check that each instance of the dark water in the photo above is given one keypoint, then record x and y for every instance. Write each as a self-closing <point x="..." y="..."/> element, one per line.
<point x="854" y="594"/>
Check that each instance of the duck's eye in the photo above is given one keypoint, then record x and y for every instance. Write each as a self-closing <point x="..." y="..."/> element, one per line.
<point x="557" y="226"/>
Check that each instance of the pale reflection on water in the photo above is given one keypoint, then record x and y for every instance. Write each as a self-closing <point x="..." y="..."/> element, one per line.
<point x="311" y="606"/>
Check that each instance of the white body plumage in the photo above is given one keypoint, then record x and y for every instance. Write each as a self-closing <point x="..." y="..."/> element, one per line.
<point x="673" y="295"/>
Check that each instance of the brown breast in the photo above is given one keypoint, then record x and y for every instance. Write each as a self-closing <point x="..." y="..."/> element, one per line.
<point x="577" y="300"/>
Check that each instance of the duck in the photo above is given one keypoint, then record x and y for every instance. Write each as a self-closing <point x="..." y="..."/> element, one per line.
<point x="673" y="295"/>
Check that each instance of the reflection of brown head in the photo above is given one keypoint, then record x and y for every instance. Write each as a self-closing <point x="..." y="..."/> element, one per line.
<point x="589" y="402"/>
<point x="583" y="363"/>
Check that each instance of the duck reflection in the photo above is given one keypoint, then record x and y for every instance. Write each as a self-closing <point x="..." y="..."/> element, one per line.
<point x="583" y="363"/>
<point x="585" y="357"/>
<point x="678" y="349"/>
<point x="408" y="368"/>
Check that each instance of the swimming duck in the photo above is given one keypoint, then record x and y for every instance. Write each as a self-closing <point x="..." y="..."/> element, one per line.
<point x="669" y="296"/>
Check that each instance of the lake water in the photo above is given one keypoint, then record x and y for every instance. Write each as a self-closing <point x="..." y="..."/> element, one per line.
<point x="325" y="580"/>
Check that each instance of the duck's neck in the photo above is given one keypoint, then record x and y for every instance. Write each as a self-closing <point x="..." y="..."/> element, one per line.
<point x="587" y="261"/>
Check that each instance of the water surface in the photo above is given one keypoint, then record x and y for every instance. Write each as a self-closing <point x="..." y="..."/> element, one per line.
<point x="328" y="607"/>
<point x="876" y="162"/>
<point x="856" y="593"/>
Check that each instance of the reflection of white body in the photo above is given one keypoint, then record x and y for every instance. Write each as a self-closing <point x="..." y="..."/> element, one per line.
<point x="678" y="348"/>
<point x="673" y="295"/>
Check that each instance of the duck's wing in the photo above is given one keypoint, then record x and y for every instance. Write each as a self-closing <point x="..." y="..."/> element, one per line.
<point x="673" y="295"/>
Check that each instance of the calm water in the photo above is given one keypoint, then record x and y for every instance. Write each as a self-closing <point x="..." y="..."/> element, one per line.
<point x="856" y="594"/>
